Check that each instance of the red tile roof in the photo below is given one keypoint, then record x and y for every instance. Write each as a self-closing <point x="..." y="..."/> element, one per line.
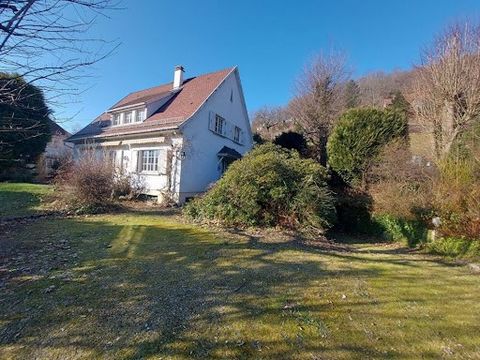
<point x="183" y="104"/>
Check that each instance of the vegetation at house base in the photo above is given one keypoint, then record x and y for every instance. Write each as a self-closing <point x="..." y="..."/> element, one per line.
<point x="270" y="186"/>
<point x="359" y="136"/>
<point x="24" y="122"/>
<point x="93" y="184"/>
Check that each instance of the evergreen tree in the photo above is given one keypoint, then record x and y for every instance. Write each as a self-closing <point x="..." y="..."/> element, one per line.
<point x="399" y="102"/>
<point x="352" y="94"/>
<point x="24" y="121"/>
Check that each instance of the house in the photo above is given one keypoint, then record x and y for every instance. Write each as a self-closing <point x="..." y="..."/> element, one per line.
<point x="56" y="150"/>
<point x="178" y="137"/>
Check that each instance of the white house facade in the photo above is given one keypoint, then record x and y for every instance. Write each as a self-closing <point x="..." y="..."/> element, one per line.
<point x="178" y="138"/>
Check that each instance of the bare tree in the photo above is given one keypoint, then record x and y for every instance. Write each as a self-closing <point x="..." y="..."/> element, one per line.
<point x="47" y="43"/>
<point x="447" y="85"/>
<point x="270" y="121"/>
<point x="319" y="99"/>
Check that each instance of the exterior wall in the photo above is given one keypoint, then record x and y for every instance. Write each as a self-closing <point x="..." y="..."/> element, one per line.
<point x="55" y="150"/>
<point x="201" y="165"/>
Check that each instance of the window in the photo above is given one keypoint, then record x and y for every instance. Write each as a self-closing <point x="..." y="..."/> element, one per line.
<point x="116" y="119"/>
<point x="128" y="117"/>
<point x="237" y="134"/>
<point x="150" y="160"/>
<point x="140" y="115"/>
<point x="219" y="124"/>
<point x="231" y="96"/>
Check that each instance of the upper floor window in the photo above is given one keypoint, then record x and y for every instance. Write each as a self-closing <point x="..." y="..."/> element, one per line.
<point x="237" y="134"/>
<point x="140" y="115"/>
<point x="219" y="124"/>
<point x="116" y="119"/>
<point x="128" y="117"/>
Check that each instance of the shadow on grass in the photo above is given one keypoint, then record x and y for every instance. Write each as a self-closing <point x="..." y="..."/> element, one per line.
<point x="18" y="203"/>
<point x="163" y="289"/>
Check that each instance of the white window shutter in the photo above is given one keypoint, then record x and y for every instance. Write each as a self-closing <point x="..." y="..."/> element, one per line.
<point x="227" y="129"/>
<point x="162" y="161"/>
<point x="242" y="137"/>
<point x="137" y="155"/>
<point x="211" y="121"/>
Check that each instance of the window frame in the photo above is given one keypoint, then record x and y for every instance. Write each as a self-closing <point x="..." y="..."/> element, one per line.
<point x="140" y="115"/>
<point x="116" y="119"/>
<point x="220" y="123"/>
<point x="149" y="161"/>
<point x="128" y="114"/>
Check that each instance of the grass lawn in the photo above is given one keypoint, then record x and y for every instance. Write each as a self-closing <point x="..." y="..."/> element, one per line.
<point x="20" y="199"/>
<point x="131" y="286"/>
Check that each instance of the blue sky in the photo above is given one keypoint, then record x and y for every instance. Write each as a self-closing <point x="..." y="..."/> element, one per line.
<point x="269" y="40"/>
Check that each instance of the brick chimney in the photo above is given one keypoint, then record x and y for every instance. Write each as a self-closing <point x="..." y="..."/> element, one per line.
<point x="178" y="77"/>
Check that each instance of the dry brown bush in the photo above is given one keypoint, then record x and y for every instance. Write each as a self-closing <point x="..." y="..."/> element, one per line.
<point x="400" y="185"/>
<point x="93" y="184"/>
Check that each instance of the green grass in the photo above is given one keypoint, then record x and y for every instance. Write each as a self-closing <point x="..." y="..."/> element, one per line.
<point x="21" y="199"/>
<point x="131" y="286"/>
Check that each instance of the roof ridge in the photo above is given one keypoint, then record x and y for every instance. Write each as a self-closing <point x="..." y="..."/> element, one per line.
<point x="188" y="79"/>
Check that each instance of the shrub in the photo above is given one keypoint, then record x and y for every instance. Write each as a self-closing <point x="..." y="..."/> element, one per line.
<point x="454" y="247"/>
<point x="408" y="231"/>
<point x="293" y="141"/>
<point x="400" y="185"/>
<point x="457" y="188"/>
<point x="86" y="185"/>
<point x="359" y="136"/>
<point x="270" y="186"/>
<point x="92" y="184"/>
<point x="353" y="207"/>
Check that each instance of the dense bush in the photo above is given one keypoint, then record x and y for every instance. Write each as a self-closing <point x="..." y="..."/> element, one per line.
<point x="359" y="136"/>
<point x="270" y="186"/>
<point x="354" y="209"/>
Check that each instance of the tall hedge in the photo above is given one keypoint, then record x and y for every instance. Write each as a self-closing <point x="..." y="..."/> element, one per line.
<point x="359" y="136"/>
<point x="270" y="186"/>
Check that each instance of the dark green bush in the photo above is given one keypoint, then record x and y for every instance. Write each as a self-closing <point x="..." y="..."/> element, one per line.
<point x="409" y="232"/>
<point x="292" y="140"/>
<point x="270" y="186"/>
<point x="359" y="136"/>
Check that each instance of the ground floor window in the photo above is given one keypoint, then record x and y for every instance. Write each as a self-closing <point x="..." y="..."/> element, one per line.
<point x="149" y="160"/>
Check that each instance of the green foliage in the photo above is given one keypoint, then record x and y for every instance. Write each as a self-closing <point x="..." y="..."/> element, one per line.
<point x="359" y="136"/>
<point x="454" y="247"/>
<point x="353" y="208"/>
<point x="400" y="103"/>
<point x="292" y="140"/>
<point x="352" y="94"/>
<point x="409" y="232"/>
<point x="270" y="186"/>
<point x="24" y="121"/>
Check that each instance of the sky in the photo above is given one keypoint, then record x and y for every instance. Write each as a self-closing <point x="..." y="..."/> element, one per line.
<point x="270" y="41"/>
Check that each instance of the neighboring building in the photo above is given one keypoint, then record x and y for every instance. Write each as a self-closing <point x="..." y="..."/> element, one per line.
<point x="178" y="137"/>
<point x="56" y="150"/>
